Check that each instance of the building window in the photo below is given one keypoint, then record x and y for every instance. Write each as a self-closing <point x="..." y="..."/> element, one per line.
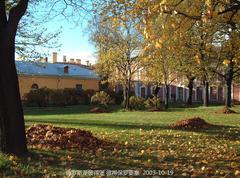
<point x="173" y="97"/>
<point x="199" y="94"/>
<point x="79" y="87"/>
<point x="152" y="90"/>
<point x="66" y="70"/>
<point x="34" y="86"/>
<point x="143" y="92"/>
<point x="220" y="94"/>
<point x="213" y="93"/>
<point x="180" y="93"/>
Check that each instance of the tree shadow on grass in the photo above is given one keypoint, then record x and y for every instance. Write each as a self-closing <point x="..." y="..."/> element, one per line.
<point x="218" y="131"/>
<point x="118" y="126"/>
<point x="51" y="161"/>
<point x="85" y="109"/>
<point x="67" y="110"/>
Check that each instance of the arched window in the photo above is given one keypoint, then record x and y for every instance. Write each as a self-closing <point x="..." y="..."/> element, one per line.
<point x="143" y="92"/>
<point x="34" y="86"/>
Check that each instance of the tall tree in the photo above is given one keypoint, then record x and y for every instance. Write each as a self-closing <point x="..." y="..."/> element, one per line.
<point x="12" y="129"/>
<point x="13" y="138"/>
<point x="184" y="15"/>
<point x="202" y="17"/>
<point x="160" y="61"/>
<point x="227" y="40"/>
<point x="180" y="15"/>
<point x="187" y="68"/>
<point x="118" y="44"/>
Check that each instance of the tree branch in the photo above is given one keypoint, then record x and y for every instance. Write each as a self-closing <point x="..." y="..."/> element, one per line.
<point x="234" y="7"/>
<point x="183" y="14"/>
<point x="216" y="72"/>
<point x="236" y="71"/>
<point x="237" y="75"/>
<point x="171" y="81"/>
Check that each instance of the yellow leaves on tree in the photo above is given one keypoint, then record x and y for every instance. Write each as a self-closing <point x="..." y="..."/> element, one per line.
<point x="226" y="61"/>
<point x="197" y="58"/>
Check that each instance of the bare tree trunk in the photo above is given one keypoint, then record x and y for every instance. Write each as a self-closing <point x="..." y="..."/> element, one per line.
<point x="13" y="137"/>
<point x="206" y="94"/>
<point x="166" y="102"/>
<point x="11" y="107"/>
<point x="2" y="129"/>
<point x="229" y="80"/>
<point x="127" y="90"/>
<point x="156" y="90"/>
<point x="228" y="100"/>
<point x="124" y="96"/>
<point x="190" y="87"/>
<point x="127" y="99"/>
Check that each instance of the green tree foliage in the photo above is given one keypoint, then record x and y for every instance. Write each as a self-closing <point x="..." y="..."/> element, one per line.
<point x="136" y="103"/>
<point x="101" y="98"/>
<point x="153" y="103"/>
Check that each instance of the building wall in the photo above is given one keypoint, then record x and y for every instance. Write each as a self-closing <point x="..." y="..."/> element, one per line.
<point x="26" y="82"/>
<point x="236" y="92"/>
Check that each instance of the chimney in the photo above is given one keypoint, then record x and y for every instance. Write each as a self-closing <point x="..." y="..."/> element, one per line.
<point x="54" y="57"/>
<point x="78" y="61"/>
<point x="64" y="59"/>
<point x="72" y="60"/>
<point x="88" y="63"/>
<point x="41" y="59"/>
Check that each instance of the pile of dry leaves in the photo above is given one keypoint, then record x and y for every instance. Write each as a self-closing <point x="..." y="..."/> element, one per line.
<point x="225" y="110"/>
<point x="154" y="110"/>
<point x="191" y="123"/>
<point x="50" y="137"/>
<point x="99" y="110"/>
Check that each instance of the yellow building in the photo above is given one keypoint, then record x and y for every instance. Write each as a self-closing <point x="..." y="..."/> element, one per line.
<point x="33" y="75"/>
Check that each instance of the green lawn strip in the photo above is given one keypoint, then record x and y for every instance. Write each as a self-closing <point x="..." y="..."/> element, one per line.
<point x="142" y="141"/>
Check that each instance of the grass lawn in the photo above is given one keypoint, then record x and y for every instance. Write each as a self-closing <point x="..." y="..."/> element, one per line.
<point x="143" y="142"/>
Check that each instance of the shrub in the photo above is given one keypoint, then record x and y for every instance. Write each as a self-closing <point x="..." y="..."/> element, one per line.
<point x="153" y="102"/>
<point x="58" y="97"/>
<point x="136" y="103"/>
<point x="87" y="94"/>
<point x="39" y="97"/>
<point x="117" y="98"/>
<point x="67" y="96"/>
<point x="101" y="98"/>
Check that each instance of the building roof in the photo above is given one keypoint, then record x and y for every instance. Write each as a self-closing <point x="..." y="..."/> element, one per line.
<point x="54" y="69"/>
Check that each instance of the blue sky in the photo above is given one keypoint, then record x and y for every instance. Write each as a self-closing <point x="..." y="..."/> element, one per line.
<point x="74" y="39"/>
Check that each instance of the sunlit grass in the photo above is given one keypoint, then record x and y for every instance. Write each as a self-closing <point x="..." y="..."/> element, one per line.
<point x="142" y="141"/>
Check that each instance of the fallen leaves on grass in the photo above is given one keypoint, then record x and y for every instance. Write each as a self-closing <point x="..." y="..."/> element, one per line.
<point x="99" y="110"/>
<point x="48" y="136"/>
<point x="186" y="154"/>
<point x="154" y="110"/>
<point x="191" y="123"/>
